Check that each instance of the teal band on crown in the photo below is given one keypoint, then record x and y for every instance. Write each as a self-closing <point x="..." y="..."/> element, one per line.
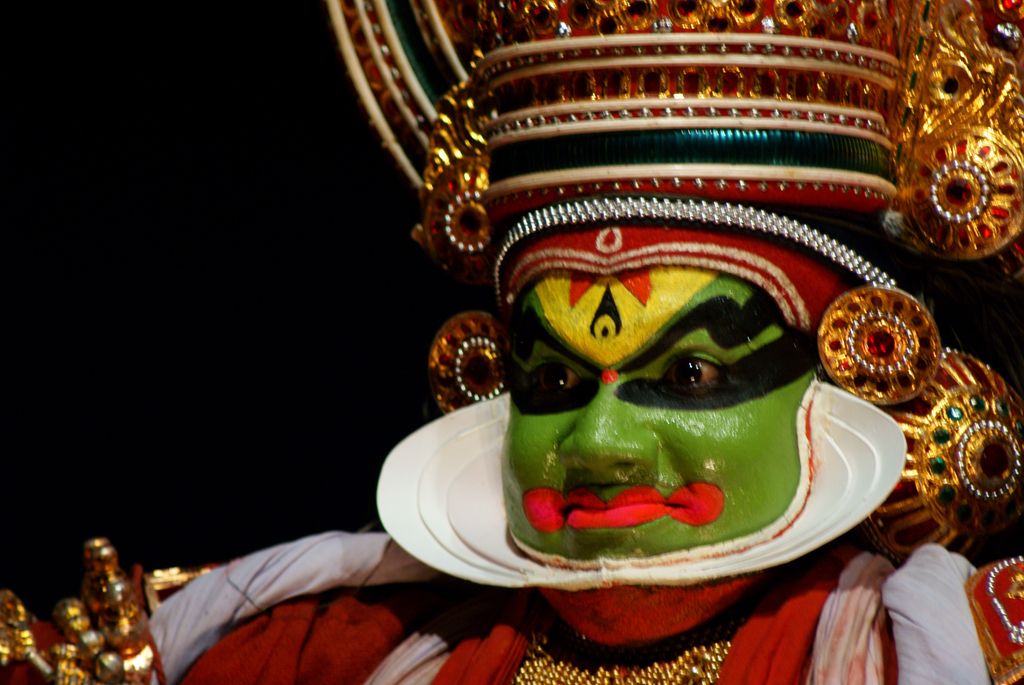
<point x="431" y="79"/>
<point x="690" y="146"/>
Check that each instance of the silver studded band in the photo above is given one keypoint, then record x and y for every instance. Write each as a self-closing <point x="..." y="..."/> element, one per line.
<point x="594" y="210"/>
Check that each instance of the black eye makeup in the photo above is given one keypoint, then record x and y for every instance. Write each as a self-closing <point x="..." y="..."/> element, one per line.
<point x="688" y="383"/>
<point x="551" y="387"/>
<point x="693" y="384"/>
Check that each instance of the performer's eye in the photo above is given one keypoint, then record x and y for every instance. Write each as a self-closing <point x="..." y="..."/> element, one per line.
<point x="554" y="377"/>
<point x="690" y="372"/>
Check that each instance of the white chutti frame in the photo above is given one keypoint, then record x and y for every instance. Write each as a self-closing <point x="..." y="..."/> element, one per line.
<point x="440" y="497"/>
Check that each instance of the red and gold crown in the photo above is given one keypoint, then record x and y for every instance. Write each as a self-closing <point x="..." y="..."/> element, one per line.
<point x="495" y="108"/>
<point x="747" y="127"/>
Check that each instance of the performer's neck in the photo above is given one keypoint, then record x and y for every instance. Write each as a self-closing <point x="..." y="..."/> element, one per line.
<point x="628" y="615"/>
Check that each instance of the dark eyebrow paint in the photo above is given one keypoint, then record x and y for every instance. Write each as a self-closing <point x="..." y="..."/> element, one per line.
<point x="728" y="324"/>
<point x="778" y="363"/>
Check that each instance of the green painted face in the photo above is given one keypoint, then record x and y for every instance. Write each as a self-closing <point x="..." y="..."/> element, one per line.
<point x="651" y="412"/>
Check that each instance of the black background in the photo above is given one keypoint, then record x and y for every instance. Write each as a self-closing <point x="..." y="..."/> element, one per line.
<point x="216" y="323"/>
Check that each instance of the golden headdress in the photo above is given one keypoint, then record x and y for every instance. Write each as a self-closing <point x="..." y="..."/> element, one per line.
<point x="834" y="125"/>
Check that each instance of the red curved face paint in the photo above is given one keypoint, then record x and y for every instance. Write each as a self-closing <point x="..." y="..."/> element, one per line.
<point x="548" y="510"/>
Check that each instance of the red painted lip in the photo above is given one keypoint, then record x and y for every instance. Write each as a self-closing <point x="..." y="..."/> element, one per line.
<point x="695" y="504"/>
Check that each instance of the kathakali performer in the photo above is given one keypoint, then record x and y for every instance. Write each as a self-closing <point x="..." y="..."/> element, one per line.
<point x="722" y="428"/>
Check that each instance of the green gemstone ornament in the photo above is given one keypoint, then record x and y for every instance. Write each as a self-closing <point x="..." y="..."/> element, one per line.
<point x="947" y="494"/>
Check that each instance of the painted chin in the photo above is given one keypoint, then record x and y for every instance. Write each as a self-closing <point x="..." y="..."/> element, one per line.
<point x="547" y="510"/>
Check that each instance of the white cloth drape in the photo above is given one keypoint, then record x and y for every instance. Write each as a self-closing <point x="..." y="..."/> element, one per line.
<point x="936" y="640"/>
<point x="208" y="608"/>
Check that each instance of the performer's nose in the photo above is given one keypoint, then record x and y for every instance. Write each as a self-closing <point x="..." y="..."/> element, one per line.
<point x="609" y="440"/>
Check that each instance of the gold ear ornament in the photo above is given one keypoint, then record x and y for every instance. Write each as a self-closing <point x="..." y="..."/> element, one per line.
<point x="468" y="359"/>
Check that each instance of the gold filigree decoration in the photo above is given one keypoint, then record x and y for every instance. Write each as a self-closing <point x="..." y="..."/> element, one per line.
<point x="545" y="664"/>
<point x="962" y="479"/>
<point x="117" y="650"/>
<point x="879" y="344"/>
<point x="160" y="584"/>
<point x="455" y="231"/>
<point x="1011" y="260"/>
<point x="712" y="81"/>
<point x="863" y="23"/>
<point x="730" y="15"/>
<point x="959" y="127"/>
<point x="966" y="195"/>
<point x="16" y="640"/>
<point x="467" y="360"/>
<point x="607" y="17"/>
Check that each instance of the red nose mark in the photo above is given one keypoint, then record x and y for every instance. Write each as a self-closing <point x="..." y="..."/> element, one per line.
<point x="609" y="376"/>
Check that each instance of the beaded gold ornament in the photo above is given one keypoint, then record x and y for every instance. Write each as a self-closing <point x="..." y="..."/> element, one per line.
<point x="879" y="344"/>
<point x="468" y="360"/>
<point x="117" y="651"/>
<point x="957" y="126"/>
<point x="691" y="658"/>
<point x="962" y="480"/>
<point x="456" y="232"/>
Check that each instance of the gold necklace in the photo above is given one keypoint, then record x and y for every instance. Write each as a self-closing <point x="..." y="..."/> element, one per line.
<point x="564" y="657"/>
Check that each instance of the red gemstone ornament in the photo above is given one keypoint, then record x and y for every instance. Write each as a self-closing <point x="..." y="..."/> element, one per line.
<point x="958" y="192"/>
<point x="467" y="360"/>
<point x="881" y="343"/>
<point x="994" y="461"/>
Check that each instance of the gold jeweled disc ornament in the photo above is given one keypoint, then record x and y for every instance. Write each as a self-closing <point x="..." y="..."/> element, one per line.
<point x="468" y="360"/>
<point x="879" y="344"/>
<point x="962" y="479"/>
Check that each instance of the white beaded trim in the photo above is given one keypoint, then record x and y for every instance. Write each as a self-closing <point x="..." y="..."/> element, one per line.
<point x="738" y="216"/>
<point x="476" y="341"/>
<point x="567" y="49"/>
<point x="941" y="173"/>
<point x="880" y="369"/>
<point x="1016" y="632"/>
<point x="531" y="67"/>
<point x="961" y="457"/>
<point x="539" y="122"/>
<point x="723" y="176"/>
<point x="457" y="202"/>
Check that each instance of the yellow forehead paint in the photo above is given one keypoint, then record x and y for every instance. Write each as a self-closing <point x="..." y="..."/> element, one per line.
<point x="608" y="318"/>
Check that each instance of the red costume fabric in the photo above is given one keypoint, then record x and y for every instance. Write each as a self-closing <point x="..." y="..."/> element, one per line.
<point x="304" y="641"/>
<point x="317" y="639"/>
<point x="22" y="673"/>
<point x="342" y="636"/>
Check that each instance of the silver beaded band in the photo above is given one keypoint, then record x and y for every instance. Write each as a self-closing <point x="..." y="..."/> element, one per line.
<point x="719" y="213"/>
<point x="1012" y="478"/>
<point x="477" y="341"/>
<point x="1016" y="632"/>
